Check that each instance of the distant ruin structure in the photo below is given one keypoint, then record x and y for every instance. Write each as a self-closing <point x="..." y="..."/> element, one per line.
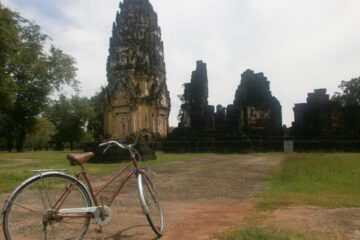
<point x="321" y="118"/>
<point x="195" y="111"/>
<point x="137" y="94"/>
<point x="255" y="111"/>
<point x="253" y="121"/>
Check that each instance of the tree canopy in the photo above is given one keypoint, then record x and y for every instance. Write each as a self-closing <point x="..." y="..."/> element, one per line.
<point x="96" y="123"/>
<point x="70" y="116"/>
<point x="350" y="94"/>
<point x="29" y="74"/>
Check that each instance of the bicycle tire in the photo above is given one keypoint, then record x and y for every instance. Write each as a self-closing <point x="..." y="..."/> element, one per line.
<point x="150" y="203"/>
<point x="24" y="211"/>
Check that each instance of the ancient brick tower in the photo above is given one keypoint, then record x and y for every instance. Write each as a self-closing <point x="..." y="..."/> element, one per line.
<point x="137" y="95"/>
<point x="195" y="110"/>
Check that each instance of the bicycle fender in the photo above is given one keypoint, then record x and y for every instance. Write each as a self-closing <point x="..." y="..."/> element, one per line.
<point x="40" y="175"/>
<point x="143" y="204"/>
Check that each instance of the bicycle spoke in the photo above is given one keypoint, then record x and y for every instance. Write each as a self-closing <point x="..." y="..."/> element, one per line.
<point x="42" y="197"/>
<point x="26" y="208"/>
<point x="47" y="196"/>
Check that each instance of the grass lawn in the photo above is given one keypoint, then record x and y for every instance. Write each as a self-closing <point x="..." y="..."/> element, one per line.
<point x="10" y="177"/>
<point x="6" y="161"/>
<point x="257" y="233"/>
<point x="321" y="179"/>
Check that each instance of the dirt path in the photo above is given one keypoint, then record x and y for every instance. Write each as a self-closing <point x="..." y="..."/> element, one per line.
<point x="329" y="223"/>
<point x="18" y="162"/>
<point x="200" y="197"/>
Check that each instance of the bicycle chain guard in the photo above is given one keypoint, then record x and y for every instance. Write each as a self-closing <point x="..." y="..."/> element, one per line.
<point x="102" y="215"/>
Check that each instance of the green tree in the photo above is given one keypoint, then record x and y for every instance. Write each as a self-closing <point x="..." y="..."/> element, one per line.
<point x="96" y="123"/>
<point x="40" y="138"/>
<point x="70" y="117"/>
<point x="350" y="94"/>
<point x="30" y="75"/>
<point x="8" y="46"/>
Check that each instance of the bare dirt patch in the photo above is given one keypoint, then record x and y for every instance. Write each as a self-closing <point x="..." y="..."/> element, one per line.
<point x="18" y="162"/>
<point x="331" y="223"/>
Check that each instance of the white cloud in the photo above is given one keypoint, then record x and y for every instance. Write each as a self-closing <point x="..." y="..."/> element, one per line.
<point x="299" y="45"/>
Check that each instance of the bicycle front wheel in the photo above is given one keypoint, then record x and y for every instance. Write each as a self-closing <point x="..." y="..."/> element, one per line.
<point x="150" y="203"/>
<point x="29" y="211"/>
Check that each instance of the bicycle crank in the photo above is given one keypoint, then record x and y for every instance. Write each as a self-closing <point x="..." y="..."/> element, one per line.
<point x="103" y="215"/>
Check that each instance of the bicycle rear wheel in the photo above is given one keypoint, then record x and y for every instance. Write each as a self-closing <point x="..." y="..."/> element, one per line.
<point x="150" y="203"/>
<point x="28" y="213"/>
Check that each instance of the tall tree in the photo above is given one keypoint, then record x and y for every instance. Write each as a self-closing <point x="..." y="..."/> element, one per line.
<point x="8" y="44"/>
<point x="70" y="117"/>
<point x="350" y="92"/>
<point x="31" y="74"/>
<point x="96" y="123"/>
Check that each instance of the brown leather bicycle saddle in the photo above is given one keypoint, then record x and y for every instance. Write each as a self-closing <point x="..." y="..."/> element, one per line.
<point x="80" y="158"/>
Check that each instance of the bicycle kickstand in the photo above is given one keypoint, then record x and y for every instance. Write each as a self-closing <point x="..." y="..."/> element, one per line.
<point x="99" y="230"/>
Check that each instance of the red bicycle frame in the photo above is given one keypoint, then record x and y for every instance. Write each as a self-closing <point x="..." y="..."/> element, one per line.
<point x="94" y="194"/>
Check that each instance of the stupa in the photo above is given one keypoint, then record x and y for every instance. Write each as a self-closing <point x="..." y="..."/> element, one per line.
<point x="137" y="94"/>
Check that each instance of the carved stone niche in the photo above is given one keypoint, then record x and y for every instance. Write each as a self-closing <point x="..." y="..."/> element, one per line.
<point x="121" y="125"/>
<point x="120" y="100"/>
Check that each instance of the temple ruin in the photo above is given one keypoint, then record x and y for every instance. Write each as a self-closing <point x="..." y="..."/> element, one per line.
<point x="254" y="111"/>
<point x="137" y="95"/>
<point x="253" y="121"/>
<point x="195" y="111"/>
<point x="320" y="118"/>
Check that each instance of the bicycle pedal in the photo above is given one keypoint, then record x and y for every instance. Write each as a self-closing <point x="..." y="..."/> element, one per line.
<point x="99" y="230"/>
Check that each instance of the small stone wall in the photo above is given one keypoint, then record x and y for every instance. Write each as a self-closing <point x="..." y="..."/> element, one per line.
<point x="328" y="145"/>
<point x="222" y="145"/>
<point x="275" y="144"/>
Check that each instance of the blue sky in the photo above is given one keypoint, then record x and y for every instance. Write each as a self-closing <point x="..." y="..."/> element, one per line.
<point x="47" y="8"/>
<point x="300" y="45"/>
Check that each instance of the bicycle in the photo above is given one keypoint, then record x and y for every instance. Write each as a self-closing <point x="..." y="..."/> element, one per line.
<point x="54" y="205"/>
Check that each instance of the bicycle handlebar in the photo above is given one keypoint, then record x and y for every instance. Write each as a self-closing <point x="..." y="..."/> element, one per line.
<point x="109" y="144"/>
<point x="123" y="146"/>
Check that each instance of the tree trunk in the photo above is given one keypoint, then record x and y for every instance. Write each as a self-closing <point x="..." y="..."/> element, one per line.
<point x="20" y="140"/>
<point x="9" y="144"/>
<point x="59" y="146"/>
